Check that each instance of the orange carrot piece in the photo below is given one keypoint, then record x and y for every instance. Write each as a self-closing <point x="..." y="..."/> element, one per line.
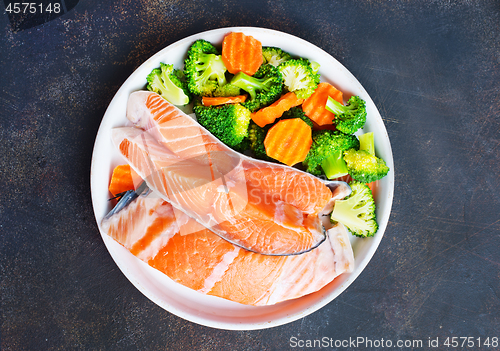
<point x="314" y="105"/>
<point x="289" y="141"/>
<point x="269" y="114"/>
<point x="374" y="188"/>
<point x="222" y="100"/>
<point x="241" y="53"/>
<point x="122" y="180"/>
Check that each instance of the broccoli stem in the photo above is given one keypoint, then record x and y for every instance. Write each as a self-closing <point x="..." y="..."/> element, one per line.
<point x="250" y="84"/>
<point x="173" y="93"/>
<point x="367" y="143"/>
<point x="334" y="165"/>
<point x="336" y="107"/>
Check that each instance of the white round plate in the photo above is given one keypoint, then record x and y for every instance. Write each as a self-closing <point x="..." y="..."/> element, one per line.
<point x="208" y="310"/>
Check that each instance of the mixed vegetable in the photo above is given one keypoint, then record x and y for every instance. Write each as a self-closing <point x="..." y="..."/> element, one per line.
<point x="266" y="103"/>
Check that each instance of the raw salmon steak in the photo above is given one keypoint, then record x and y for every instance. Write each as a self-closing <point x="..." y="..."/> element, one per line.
<point x="238" y="201"/>
<point x="260" y="206"/>
<point x="152" y="230"/>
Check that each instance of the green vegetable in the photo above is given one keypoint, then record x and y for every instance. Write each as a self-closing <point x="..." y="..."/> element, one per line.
<point x="227" y="90"/>
<point x="357" y="211"/>
<point x="365" y="167"/>
<point x="296" y="112"/>
<point x="229" y="123"/>
<point x="168" y="82"/>
<point x="274" y="56"/>
<point x="264" y="87"/>
<point x="326" y="144"/>
<point x="256" y="137"/>
<point x="334" y="166"/>
<point x="299" y="77"/>
<point x="367" y="143"/>
<point x="348" y="118"/>
<point x="315" y="66"/>
<point x="205" y="72"/>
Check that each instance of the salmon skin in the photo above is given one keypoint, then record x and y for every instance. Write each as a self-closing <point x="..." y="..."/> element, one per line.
<point x="262" y="207"/>
<point x="152" y="229"/>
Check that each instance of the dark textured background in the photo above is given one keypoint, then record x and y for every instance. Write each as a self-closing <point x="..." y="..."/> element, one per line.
<point x="431" y="67"/>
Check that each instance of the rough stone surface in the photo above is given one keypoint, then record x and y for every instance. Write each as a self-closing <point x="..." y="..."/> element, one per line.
<point x="431" y="67"/>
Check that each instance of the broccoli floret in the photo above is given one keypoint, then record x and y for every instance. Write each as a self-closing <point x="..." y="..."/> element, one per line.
<point x="348" y="118"/>
<point x="243" y="146"/>
<point x="256" y="137"/>
<point x="168" y="82"/>
<point x="229" y="123"/>
<point x="299" y="77"/>
<point x="264" y="87"/>
<point x="357" y="211"/>
<point x="297" y="112"/>
<point x="323" y="157"/>
<point x="202" y="46"/>
<point x="205" y="72"/>
<point x="365" y="167"/>
<point x="274" y="56"/>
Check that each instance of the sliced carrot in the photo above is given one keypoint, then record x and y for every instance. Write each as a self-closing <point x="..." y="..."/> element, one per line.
<point x="241" y="53"/>
<point x="314" y="105"/>
<point x="289" y="141"/>
<point x="221" y="100"/>
<point x="269" y="114"/>
<point x="122" y="180"/>
<point x="374" y="188"/>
